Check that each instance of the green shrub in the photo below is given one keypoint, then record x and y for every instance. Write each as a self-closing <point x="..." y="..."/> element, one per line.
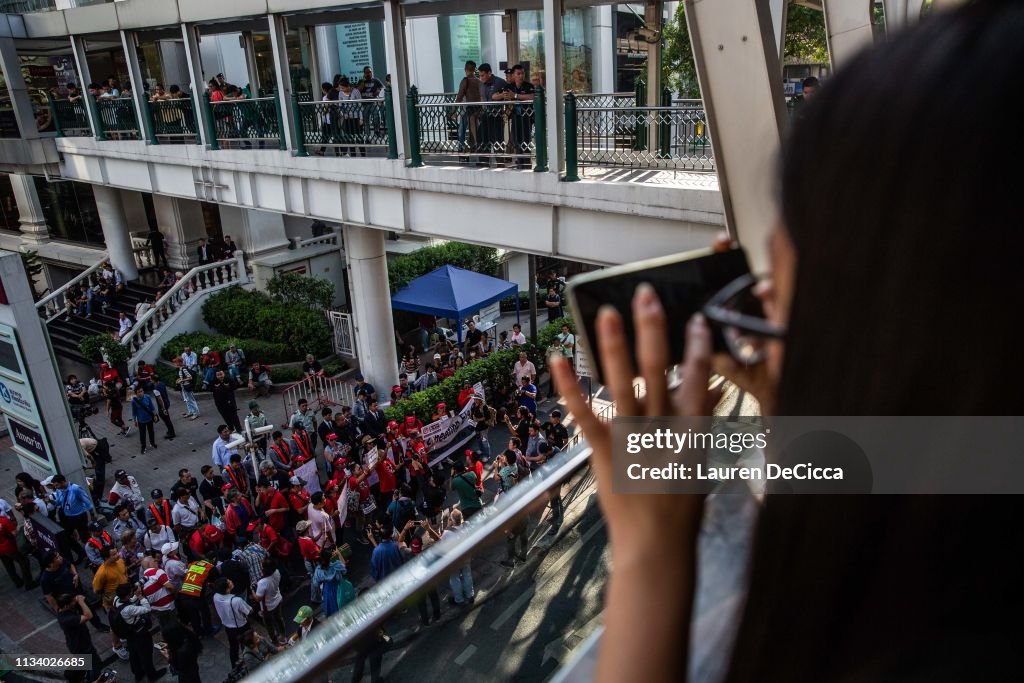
<point x="287" y="375"/>
<point x="254" y="349"/>
<point x="312" y="292"/>
<point x="245" y="314"/>
<point x="95" y="345"/>
<point x="404" y="269"/>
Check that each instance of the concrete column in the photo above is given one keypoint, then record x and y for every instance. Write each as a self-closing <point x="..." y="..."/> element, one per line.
<point x="738" y="69"/>
<point x="255" y="232"/>
<point x="553" y="11"/>
<point x="510" y="25"/>
<point x="190" y="37"/>
<point x="249" y="47"/>
<point x="115" y="230"/>
<point x="394" y="38"/>
<point x="181" y="222"/>
<point x="653" y="18"/>
<point x="603" y="40"/>
<point x="848" y="29"/>
<point x="371" y="305"/>
<point x="284" y="76"/>
<point x="22" y="105"/>
<point x="31" y="220"/>
<point x="313" y="39"/>
<point x="327" y="55"/>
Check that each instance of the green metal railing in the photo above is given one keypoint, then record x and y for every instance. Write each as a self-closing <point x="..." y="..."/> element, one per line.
<point x="241" y="123"/>
<point x="174" y="121"/>
<point x="473" y="133"/>
<point x="672" y="136"/>
<point x="69" y="118"/>
<point x="343" y="127"/>
<point x="117" y="118"/>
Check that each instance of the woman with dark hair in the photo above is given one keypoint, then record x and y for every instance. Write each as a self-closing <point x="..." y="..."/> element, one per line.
<point x="182" y="648"/>
<point x="891" y="266"/>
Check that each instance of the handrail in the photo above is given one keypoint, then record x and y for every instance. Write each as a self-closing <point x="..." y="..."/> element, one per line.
<point x="320" y="390"/>
<point x="48" y="304"/>
<point x="329" y="238"/>
<point x="143" y="251"/>
<point x="200" y="279"/>
<point x="319" y="650"/>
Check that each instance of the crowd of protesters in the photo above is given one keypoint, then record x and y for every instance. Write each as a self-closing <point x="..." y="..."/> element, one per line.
<point x="219" y="549"/>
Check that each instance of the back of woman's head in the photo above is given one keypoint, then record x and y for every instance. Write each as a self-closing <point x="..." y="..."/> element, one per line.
<point x="900" y="194"/>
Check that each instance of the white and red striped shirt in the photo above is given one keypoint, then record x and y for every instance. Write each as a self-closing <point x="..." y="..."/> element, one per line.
<point x="155" y="589"/>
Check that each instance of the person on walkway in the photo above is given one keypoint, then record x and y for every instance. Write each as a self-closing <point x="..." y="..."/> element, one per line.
<point x="461" y="582"/>
<point x="223" y="390"/>
<point x="115" y="408"/>
<point x="145" y="414"/>
<point x="268" y="595"/>
<point x="257" y="650"/>
<point x="182" y="648"/>
<point x="134" y="611"/>
<point x="464" y="484"/>
<point x="233" y="613"/>
<point x="12" y="557"/>
<point x="156" y="244"/>
<point x="327" y="578"/>
<point x="75" y="507"/>
<point x="163" y="404"/>
<point x="186" y="382"/>
<point x="72" y="613"/>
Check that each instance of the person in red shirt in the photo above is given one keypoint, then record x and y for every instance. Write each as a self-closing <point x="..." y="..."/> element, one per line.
<point x="237" y="514"/>
<point x="205" y="539"/>
<point x="388" y="482"/>
<point x="11" y="558"/>
<point x="475" y="464"/>
<point x="441" y="412"/>
<point x="109" y="374"/>
<point x="298" y="497"/>
<point x="466" y="394"/>
<point x="411" y="426"/>
<point x="309" y="551"/>
<point x="273" y="504"/>
<point x="357" y="482"/>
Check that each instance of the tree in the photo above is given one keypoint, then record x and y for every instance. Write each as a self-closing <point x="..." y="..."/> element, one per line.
<point x="805" y="36"/>
<point x="678" y="69"/>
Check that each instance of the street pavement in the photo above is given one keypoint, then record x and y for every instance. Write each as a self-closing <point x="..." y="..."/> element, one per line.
<point x="29" y="626"/>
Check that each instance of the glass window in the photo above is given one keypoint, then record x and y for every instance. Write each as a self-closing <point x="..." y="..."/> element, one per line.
<point x="70" y="211"/>
<point x="8" y="123"/>
<point x="8" y="205"/>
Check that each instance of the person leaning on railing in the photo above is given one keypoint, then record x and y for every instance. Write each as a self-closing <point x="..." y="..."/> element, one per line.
<point x="851" y="587"/>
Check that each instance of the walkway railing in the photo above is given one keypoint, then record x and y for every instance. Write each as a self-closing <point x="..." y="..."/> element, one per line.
<point x="245" y="123"/>
<point x="304" y="242"/>
<point x="69" y="118"/>
<point x="174" y="121"/>
<point x="320" y="391"/>
<point x="196" y="282"/>
<point x="352" y="127"/>
<point x="477" y="133"/>
<point x="54" y="304"/>
<point x="143" y="251"/>
<point x="673" y="136"/>
<point x="117" y="118"/>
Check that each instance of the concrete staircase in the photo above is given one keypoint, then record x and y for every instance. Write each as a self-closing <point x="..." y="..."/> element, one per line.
<point x="66" y="331"/>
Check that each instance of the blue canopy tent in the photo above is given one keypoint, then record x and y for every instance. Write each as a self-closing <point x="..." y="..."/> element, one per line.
<point x="451" y="292"/>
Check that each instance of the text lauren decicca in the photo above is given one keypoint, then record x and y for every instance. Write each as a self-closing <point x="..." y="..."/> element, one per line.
<point x="677" y="471"/>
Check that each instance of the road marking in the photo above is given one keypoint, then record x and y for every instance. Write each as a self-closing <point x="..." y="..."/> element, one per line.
<point x="41" y="628"/>
<point x="553" y="571"/>
<point x="466" y="654"/>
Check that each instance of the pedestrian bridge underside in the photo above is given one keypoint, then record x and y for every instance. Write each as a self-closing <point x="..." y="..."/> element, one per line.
<point x="592" y="221"/>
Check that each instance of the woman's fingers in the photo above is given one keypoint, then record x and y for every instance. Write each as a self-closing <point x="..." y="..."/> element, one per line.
<point x="569" y="389"/>
<point x="652" y="348"/>
<point x="690" y="398"/>
<point x="616" y="361"/>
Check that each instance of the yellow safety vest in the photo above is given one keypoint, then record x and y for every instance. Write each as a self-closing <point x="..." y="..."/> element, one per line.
<point x="195" y="578"/>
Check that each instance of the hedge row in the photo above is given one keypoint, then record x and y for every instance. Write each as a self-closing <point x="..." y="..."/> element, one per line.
<point x="494" y="370"/>
<point x="252" y="315"/>
<point x="254" y="349"/>
<point x="404" y="269"/>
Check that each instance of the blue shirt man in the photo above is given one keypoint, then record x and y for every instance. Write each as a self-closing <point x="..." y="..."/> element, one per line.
<point x="528" y="395"/>
<point x="71" y="499"/>
<point x="386" y="557"/>
<point x="220" y="452"/>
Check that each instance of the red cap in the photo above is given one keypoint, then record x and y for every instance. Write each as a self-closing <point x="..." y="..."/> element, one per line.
<point x="252" y="525"/>
<point x="396" y="388"/>
<point x="410" y="419"/>
<point x="332" y="436"/>
<point x="212" y="533"/>
<point x="392" y="425"/>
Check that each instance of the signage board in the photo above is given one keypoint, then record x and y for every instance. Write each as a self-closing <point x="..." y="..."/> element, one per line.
<point x="18" y="403"/>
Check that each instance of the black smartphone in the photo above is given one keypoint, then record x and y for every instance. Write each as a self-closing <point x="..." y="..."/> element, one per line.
<point x="684" y="283"/>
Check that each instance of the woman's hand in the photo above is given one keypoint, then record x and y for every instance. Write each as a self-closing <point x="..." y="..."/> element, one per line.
<point x="652" y="537"/>
<point x="635" y="520"/>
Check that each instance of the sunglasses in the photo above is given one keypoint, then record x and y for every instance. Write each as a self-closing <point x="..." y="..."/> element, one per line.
<point x="737" y="312"/>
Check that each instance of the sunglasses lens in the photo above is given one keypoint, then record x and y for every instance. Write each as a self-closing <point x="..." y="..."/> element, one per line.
<point x="745" y="347"/>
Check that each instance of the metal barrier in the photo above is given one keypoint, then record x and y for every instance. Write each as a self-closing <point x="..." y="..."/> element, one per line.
<point x="69" y="118"/>
<point x="344" y="127"/>
<point x="174" y="121"/>
<point x="618" y="100"/>
<point x="477" y="133"/>
<point x="673" y="136"/>
<point x="117" y="118"/>
<point x="320" y="391"/>
<point x="240" y="123"/>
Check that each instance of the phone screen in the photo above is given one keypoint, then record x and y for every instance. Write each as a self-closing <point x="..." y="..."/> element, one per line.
<point x="684" y="284"/>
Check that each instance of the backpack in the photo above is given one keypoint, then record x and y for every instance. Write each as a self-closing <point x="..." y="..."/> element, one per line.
<point x="346" y="593"/>
<point x="121" y="628"/>
<point x="523" y="465"/>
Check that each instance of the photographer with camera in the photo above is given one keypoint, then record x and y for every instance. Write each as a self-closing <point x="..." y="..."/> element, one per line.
<point x="130" y="620"/>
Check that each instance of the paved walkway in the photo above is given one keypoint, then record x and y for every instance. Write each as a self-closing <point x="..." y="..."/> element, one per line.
<point x="29" y="626"/>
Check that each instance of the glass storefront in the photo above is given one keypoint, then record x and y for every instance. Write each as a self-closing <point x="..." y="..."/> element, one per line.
<point x="70" y="211"/>
<point x="577" y="25"/>
<point x="46" y="74"/>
